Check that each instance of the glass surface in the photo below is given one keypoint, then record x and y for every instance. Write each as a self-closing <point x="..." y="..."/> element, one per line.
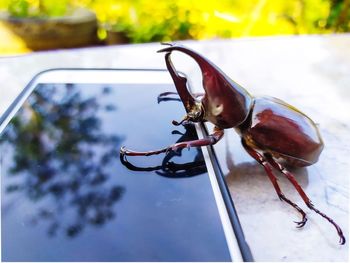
<point x="67" y="195"/>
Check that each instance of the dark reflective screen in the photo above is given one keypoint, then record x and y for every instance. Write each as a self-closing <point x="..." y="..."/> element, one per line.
<point x="67" y="196"/>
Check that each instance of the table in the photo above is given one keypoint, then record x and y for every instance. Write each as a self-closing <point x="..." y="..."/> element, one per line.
<point x="309" y="72"/>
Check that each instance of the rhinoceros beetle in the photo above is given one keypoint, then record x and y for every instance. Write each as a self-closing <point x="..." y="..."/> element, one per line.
<point x="273" y="132"/>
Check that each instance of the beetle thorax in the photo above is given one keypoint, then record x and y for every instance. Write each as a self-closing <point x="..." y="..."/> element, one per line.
<point x="225" y="106"/>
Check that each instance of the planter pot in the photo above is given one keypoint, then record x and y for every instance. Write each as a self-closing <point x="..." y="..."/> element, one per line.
<point x="116" y="37"/>
<point x="76" y="30"/>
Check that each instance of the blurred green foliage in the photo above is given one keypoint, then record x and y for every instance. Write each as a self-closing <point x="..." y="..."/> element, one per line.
<point x="339" y="15"/>
<point x="146" y="21"/>
<point x="36" y="8"/>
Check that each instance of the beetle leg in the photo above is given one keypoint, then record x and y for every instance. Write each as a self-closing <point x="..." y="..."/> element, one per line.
<point x="124" y="152"/>
<point x="183" y="121"/>
<point x="165" y="96"/>
<point x="187" y="120"/>
<point x="303" y="195"/>
<point x="167" y="93"/>
<point x="209" y="140"/>
<point x="268" y="169"/>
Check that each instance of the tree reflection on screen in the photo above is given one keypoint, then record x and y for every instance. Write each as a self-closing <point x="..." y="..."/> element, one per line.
<point x="57" y="158"/>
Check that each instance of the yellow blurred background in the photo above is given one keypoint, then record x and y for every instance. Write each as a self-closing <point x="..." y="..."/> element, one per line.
<point x="148" y="21"/>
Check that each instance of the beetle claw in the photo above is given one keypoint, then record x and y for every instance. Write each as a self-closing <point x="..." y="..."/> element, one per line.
<point x="122" y="151"/>
<point x="342" y="240"/>
<point x="301" y="223"/>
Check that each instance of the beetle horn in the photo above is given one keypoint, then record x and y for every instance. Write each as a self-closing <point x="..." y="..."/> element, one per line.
<point x="180" y="84"/>
<point x="209" y="69"/>
<point x="198" y="58"/>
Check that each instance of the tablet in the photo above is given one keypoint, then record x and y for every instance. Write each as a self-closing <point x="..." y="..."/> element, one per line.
<point x="67" y="195"/>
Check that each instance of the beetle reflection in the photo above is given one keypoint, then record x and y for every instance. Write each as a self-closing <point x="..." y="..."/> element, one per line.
<point x="59" y="158"/>
<point x="171" y="169"/>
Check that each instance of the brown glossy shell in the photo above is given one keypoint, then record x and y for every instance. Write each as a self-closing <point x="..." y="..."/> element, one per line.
<point x="284" y="131"/>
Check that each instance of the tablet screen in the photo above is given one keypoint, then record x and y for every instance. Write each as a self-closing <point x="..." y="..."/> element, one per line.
<point x="67" y="195"/>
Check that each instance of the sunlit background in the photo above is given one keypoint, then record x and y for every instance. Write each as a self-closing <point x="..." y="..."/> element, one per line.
<point x="142" y="21"/>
